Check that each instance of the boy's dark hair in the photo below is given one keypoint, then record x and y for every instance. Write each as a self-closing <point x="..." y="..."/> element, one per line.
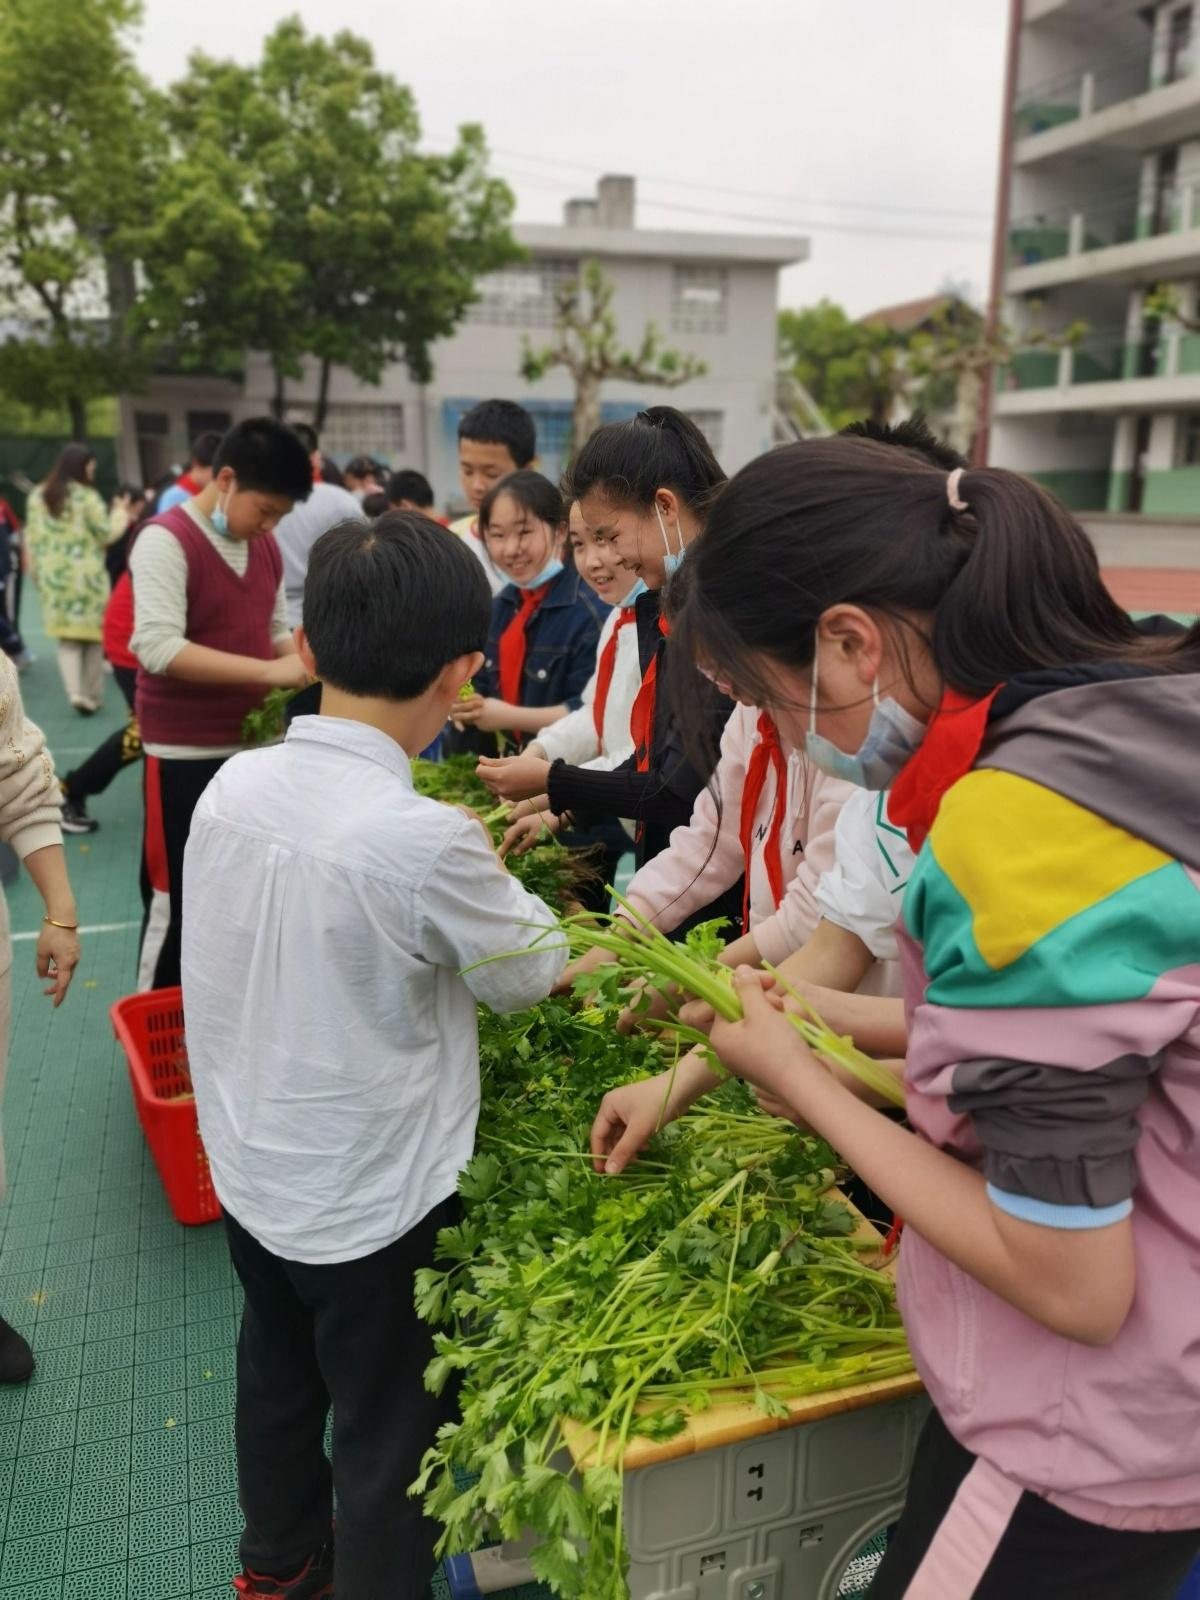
<point x="387" y="604"/>
<point x="266" y="455"/>
<point x="532" y="492"/>
<point x="629" y="462"/>
<point x="408" y="484"/>
<point x="912" y="434"/>
<point x="362" y="467"/>
<point x="502" y="422"/>
<point x="374" y="505"/>
<point x="204" y="448"/>
<point x="332" y="473"/>
<point x="308" y="436"/>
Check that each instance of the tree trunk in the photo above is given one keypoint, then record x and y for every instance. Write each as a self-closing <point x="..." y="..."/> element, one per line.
<point x="969" y="397"/>
<point x="587" y="410"/>
<point x="78" y="409"/>
<point x="322" y="406"/>
<point x="279" y="398"/>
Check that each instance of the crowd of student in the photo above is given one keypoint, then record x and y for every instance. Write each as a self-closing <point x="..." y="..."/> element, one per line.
<point x="875" y="709"/>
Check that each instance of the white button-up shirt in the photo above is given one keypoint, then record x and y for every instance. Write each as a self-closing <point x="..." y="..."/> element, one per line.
<point x="331" y="1030"/>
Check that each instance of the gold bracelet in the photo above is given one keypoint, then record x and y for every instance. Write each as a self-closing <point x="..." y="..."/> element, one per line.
<point x="67" y="927"/>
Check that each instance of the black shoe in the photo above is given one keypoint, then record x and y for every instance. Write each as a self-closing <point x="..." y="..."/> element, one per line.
<point x="16" y="1358"/>
<point x="74" y="816"/>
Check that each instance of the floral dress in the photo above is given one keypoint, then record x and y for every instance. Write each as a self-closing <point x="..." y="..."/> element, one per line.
<point x="67" y="556"/>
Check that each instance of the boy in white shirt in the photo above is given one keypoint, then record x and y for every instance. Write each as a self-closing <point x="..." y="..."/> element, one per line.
<point x="334" y="1053"/>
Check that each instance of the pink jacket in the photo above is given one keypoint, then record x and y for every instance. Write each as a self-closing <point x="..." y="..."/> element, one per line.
<point x="705" y="857"/>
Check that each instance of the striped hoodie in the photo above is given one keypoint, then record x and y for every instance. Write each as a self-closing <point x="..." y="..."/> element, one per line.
<point x="1051" y="937"/>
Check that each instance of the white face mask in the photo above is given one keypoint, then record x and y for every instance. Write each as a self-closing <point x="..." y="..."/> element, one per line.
<point x="893" y="738"/>
<point x="671" y="558"/>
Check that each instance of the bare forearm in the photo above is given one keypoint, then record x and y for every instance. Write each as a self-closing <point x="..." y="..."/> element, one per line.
<point x="1078" y="1283"/>
<point x="48" y="869"/>
<point x="833" y="958"/>
<point x="532" y="719"/>
<point x="196" y="663"/>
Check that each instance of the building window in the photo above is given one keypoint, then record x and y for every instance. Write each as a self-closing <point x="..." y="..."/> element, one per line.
<point x="712" y="426"/>
<point x="524" y="296"/>
<point x="1189" y="439"/>
<point x="353" y="430"/>
<point x="699" y="299"/>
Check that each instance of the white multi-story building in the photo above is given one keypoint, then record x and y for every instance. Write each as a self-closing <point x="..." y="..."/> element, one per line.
<point x="1101" y="207"/>
<point x="714" y="295"/>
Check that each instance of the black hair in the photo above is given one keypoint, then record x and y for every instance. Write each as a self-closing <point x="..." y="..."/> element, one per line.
<point x="532" y="492"/>
<point x="629" y="462"/>
<point x="71" y="467"/>
<point x="408" y="484"/>
<point x="362" y="467"/>
<point x="309" y="437"/>
<point x="1011" y="584"/>
<point x="267" y="456"/>
<point x="374" y="505"/>
<point x="387" y="604"/>
<point x="914" y="433"/>
<point x="204" y="448"/>
<point x="501" y="422"/>
<point x="332" y="473"/>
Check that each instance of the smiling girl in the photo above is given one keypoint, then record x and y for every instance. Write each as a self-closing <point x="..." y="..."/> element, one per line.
<point x="950" y="635"/>
<point x="545" y="621"/>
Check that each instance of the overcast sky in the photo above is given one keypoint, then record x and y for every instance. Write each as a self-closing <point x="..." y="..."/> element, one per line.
<point x="871" y="127"/>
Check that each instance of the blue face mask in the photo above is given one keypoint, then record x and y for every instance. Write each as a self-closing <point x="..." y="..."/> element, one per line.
<point x="893" y="738"/>
<point x="220" y="521"/>
<point x="639" y="588"/>
<point x="673" y="558"/>
<point x="547" y="575"/>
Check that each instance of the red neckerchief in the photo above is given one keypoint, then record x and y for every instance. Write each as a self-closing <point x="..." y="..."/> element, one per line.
<point x="604" y="671"/>
<point x="512" y="644"/>
<point x="186" y="481"/>
<point x="641" y="718"/>
<point x="765" y="757"/>
<point x="947" y="753"/>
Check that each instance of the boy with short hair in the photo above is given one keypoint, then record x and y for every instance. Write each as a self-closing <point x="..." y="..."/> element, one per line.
<point x="410" y="490"/>
<point x="199" y="474"/>
<point x="211" y="638"/>
<point x="495" y="437"/>
<point x="330" y="989"/>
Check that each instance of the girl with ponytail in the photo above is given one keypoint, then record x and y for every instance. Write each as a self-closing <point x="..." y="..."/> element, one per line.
<point x="948" y="635"/>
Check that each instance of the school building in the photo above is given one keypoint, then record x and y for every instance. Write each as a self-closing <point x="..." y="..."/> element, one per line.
<point x="1099" y="262"/>
<point x="711" y="294"/>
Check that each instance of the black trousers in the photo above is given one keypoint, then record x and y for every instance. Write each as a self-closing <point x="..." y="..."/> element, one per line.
<point x="181" y="783"/>
<point x="120" y="750"/>
<point x="344" y="1335"/>
<point x="1042" y="1553"/>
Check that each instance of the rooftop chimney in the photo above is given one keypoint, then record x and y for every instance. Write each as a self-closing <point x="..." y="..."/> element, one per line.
<point x="612" y="208"/>
<point x="580" y="213"/>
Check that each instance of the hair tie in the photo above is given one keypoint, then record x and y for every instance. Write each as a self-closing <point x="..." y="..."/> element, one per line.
<point x="952" y="495"/>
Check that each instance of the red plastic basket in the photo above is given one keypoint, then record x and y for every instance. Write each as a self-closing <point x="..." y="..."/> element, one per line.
<point x="149" y="1028"/>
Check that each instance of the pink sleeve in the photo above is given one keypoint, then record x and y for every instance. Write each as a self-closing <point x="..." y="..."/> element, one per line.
<point x="794" y="924"/>
<point x="704" y="857"/>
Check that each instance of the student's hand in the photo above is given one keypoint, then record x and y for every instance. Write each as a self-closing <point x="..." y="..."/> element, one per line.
<point x="664" y="1004"/>
<point x="285" y="672"/>
<point x="764" y="1048"/>
<point x="539" y="806"/>
<point x="514" y="777"/>
<point x="523" y="834"/>
<point x="58" y="955"/>
<point x="486" y="713"/>
<point x="579" y="969"/>
<point x="628" y="1119"/>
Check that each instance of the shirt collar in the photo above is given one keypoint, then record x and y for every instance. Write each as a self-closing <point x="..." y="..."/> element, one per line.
<point x="356" y="738"/>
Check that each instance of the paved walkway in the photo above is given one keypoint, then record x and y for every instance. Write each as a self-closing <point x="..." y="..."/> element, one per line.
<point x="116" y="1467"/>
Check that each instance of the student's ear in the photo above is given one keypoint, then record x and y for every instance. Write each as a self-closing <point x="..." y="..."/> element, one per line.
<point x="667" y="502"/>
<point x="857" y="637"/>
<point x="458" y="672"/>
<point x="225" y="479"/>
<point x="305" y="653"/>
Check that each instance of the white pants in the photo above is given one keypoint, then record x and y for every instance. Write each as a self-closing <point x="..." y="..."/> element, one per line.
<point x="82" y="668"/>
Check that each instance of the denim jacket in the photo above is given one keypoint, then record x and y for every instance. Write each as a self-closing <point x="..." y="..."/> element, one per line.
<point x="560" y="643"/>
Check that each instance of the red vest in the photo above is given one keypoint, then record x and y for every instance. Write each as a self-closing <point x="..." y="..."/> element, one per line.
<point x="224" y="612"/>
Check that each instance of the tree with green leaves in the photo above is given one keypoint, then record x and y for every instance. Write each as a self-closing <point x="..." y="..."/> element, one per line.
<point x="77" y="157"/>
<point x="588" y="344"/>
<point x="298" y="217"/>
<point x="851" y="369"/>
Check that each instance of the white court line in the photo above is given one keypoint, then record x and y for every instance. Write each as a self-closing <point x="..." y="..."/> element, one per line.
<point x="96" y="927"/>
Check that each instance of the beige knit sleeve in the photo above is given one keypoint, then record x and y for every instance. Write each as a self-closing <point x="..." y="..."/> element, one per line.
<point x="30" y="805"/>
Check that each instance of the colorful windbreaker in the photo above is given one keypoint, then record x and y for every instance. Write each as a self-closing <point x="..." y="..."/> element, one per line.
<point x="1052" y="945"/>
